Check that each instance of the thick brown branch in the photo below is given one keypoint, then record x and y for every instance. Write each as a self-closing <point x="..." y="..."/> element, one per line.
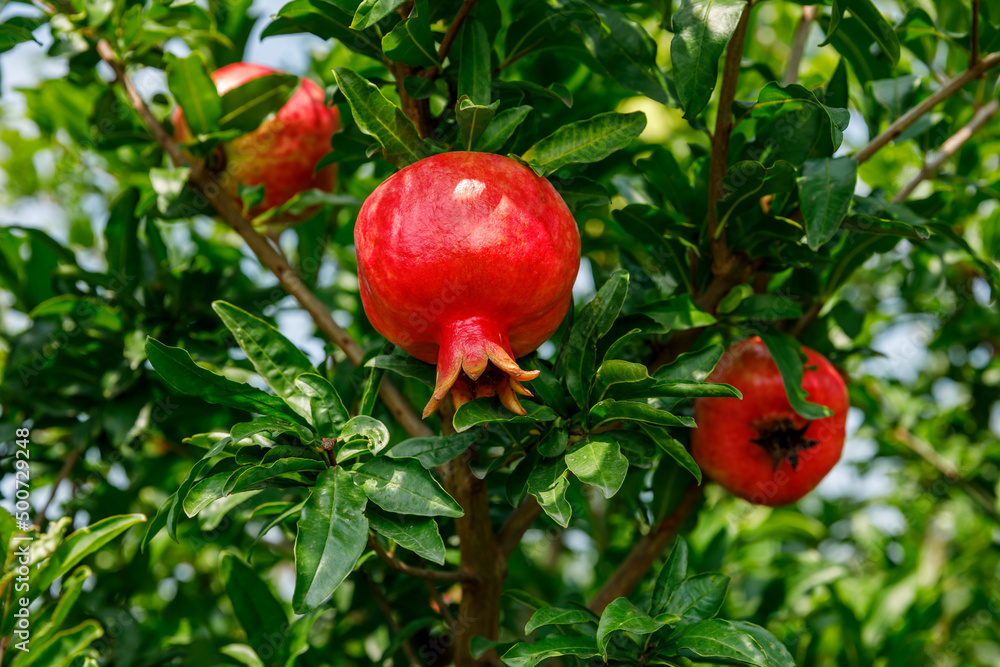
<point x="913" y="115"/>
<point x="207" y="184"/>
<point x="400" y="566"/>
<point x="645" y="552"/>
<point x="449" y="37"/>
<point x="799" y="45"/>
<point x="949" y="148"/>
<point x="517" y="523"/>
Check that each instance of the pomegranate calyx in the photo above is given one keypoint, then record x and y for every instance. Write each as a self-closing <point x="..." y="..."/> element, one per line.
<point x="782" y="439"/>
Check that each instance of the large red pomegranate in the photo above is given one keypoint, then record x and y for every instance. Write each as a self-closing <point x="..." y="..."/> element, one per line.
<point x="759" y="448"/>
<point x="283" y="151"/>
<point x="467" y="260"/>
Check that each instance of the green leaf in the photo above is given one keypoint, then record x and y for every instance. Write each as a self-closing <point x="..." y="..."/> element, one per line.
<point x="787" y="354"/>
<point x="826" y="187"/>
<point x="242" y="654"/>
<point x="472" y="121"/>
<point x="702" y="29"/>
<point x="775" y="99"/>
<point x="489" y="411"/>
<point x="275" y="427"/>
<point x="669" y="579"/>
<point x="698" y="597"/>
<point x="52" y="617"/>
<point x="63" y="647"/>
<point x="678" y="313"/>
<point x="529" y="655"/>
<point x="405" y="487"/>
<point x="379" y="118"/>
<point x="419" y="535"/>
<point x="868" y="14"/>
<point x="254" y="605"/>
<point x="501" y="128"/>
<point x="434" y="450"/>
<point x="598" y="462"/>
<point x="78" y="545"/>
<point x="474" y="51"/>
<point x="715" y="640"/>
<point x="195" y="92"/>
<point x="628" y="380"/>
<point x="373" y="432"/>
<point x="176" y="367"/>
<point x="585" y="141"/>
<point x="318" y="402"/>
<point x="331" y="537"/>
<point x="578" y="356"/>
<point x="326" y="19"/>
<point x="411" y="42"/>
<point x="370" y="12"/>
<point x="674" y="449"/>
<point x="611" y="410"/>
<point x="777" y="654"/>
<point x="17" y="29"/>
<point x="556" y="616"/>
<point x="623" y="616"/>
<point x="406" y="366"/>
<point x="548" y="482"/>
<point x="246" y="106"/>
<point x="251" y="476"/>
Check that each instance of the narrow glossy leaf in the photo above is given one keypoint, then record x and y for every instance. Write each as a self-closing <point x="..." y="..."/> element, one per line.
<point x="787" y="354"/>
<point x="777" y="654"/>
<point x="317" y="401"/>
<point x="62" y="648"/>
<point x="362" y="434"/>
<point x="379" y="118"/>
<point x="715" y="640"/>
<point x="529" y="655"/>
<point x="254" y="605"/>
<point x="678" y="313"/>
<point x="78" y="545"/>
<point x="411" y="42"/>
<point x="501" y="128"/>
<point x="556" y="616"/>
<point x="472" y="121"/>
<point x="176" y="367"/>
<point x="669" y="579"/>
<point x="775" y="99"/>
<point x="869" y="16"/>
<point x="196" y="94"/>
<point x="702" y="29"/>
<point x="622" y="615"/>
<point x="598" y="462"/>
<point x="488" y="411"/>
<point x="584" y="141"/>
<point x="246" y="106"/>
<point x="403" y="486"/>
<point x="17" y="29"/>
<point x="332" y="534"/>
<point x="554" y="442"/>
<point x="698" y="597"/>
<point x="207" y="490"/>
<point x="326" y="19"/>
<point x="548" y="482"/>
<point x="251" y="476"/>
<point x="52" y="617"/>
<point x="611" y="410"/>
<point x="274" y="427"/>
<point x="406" y="366"/>
<point x="580" y="193"/>
<point x="434" y="450"/>
<point x="419" y="535"/>
<point x="370" y="12"/>
<point x="243" y="654"/>
<point x="674" y="449"/>
<point x="474" y="49"/>
<point x="695" y="365"/>
<point x="826" y="187"/>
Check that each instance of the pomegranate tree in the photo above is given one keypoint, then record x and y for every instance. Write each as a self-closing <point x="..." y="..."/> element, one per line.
<point x="759" y="448"/>
<point x="282" y="153"/>
<point x="467" y="260"/>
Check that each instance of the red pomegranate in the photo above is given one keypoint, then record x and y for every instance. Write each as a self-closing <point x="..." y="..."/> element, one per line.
<point x="467" y="260"/>
<point x="283" y="151"/>
<point x="759" y="448"/>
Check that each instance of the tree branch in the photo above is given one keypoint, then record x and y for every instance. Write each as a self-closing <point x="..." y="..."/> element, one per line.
<point x="400" y="566"/>
<point x="645" y="552"/>
<point x="68" y="464"/>
<point x="517" y="523"/>
<point x="386" y="608"/>
<point x="799" y="45"/>
<point x="449" y="37"/>
<point x="207" y="184"/>
<point x="949" y="148"/>
<point x="913" y="115"/>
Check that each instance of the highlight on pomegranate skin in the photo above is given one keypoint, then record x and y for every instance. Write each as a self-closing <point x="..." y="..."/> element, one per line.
<point x="467" y="260"/>
<point x="282" y="153"/>
<point x="759" y="448"/>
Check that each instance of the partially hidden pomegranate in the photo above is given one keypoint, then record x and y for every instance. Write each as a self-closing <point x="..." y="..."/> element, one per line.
<point x="282" y="153"/>
<point x="759" y="448"/>
<point x="467" y="260"/>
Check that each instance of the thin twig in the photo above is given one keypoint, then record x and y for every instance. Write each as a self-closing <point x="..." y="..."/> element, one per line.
<point x="913" y="115"/>
<point x="68" y="464"/>
<point x="400" y="566"/>
<point x="393" y="623"/>
<point x="949" y="148"/>
<point x="442" y="605"/>
<point x="228" y="211"/>
<point x="645" y="552"/>
<point x="517" y="523"/>
<point x="799" y="45"/>
<point x="449" y="37"/>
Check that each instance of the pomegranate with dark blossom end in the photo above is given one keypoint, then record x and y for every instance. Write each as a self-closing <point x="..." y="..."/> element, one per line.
<point x="467" y="260"/>
<point x="282" y="153"/>
<point x="759" y="448"/>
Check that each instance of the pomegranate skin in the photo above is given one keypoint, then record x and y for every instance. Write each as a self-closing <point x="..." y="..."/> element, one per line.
<point x="467" y="260"/>
<point x="282" y="153"/>
<point x="723" y="444"/>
